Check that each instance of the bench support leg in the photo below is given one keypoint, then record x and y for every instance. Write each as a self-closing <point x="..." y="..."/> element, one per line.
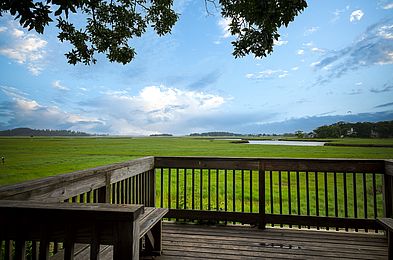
<point x="154" y="239"/>
<point x="126" y="247"/>
<point x="390" y="244"/>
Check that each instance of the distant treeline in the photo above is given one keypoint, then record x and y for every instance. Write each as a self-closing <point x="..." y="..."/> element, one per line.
<point x="38" y="132"/>
<point x="215" y="134"/>
<point x="161" y="135"/>
<point x="383" y="129"/>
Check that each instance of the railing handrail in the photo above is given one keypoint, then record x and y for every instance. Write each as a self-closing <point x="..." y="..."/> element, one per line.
<point x="64" y="186"/>
<point x="274" y="163"/>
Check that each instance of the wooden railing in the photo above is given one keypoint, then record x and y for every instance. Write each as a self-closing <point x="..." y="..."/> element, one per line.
<point x="321" y="193"/>
<point x="131" y="182"/>
<point x="336" y="194"/>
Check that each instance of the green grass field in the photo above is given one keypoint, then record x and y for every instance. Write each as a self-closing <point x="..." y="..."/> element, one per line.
<point x="37" y="157"/>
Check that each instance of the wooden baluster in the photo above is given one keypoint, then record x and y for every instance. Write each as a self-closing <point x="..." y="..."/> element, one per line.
<point x="20" y="249"/>
<point x="280" y="193"/>
<point x="217" y="190"/>
<point x="251" y="191"/>
<point x="261" y="197"/>
<point x="242" y="175"/>
<point x="185" y="188"/>
<point x="8" y="250"/>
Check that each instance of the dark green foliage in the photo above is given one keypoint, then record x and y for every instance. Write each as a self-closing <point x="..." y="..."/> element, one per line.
<point x="110" y="25"/>
<point x="215" y="134"/>
<point x="36" y="132"/>
<point x="108" y="28"/>
<point x="256" y="23"/>
<point x="382" y="129"/>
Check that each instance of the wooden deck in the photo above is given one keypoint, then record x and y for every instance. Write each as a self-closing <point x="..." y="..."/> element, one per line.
<point x="182" y="241"/>
<point x="186" y="241"/>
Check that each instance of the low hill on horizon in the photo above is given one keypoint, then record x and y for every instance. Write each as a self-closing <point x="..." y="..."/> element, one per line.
<point x="24" y="131"/>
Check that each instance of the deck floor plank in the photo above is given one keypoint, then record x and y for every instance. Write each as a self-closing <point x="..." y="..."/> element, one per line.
<point x="218" y="242"/>
<point x="186" y="242"/>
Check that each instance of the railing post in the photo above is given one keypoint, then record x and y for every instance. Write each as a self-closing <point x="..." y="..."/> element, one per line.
<point x="261" y="190"/>
<point x="152" y="188"/>
<point x="388" y="189"/>
<point x="104" y="193"/>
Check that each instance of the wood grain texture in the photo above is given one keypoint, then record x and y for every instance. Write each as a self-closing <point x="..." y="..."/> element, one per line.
<point x="61" y="187"/>
<point x="190" y="241"/>
<point x="272" y="164"/>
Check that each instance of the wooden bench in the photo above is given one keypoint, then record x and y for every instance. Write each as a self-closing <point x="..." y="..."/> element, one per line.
<point x="95" y="224"/>
<point x="150" y="229"/>
<point x="387" y="223"/>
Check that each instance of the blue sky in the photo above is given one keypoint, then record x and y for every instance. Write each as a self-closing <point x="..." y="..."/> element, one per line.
<point x="334" y="62"/>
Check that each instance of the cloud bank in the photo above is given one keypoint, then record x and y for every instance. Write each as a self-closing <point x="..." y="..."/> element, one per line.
<point x="24" y="48"/>
<point x="373" y="47"/>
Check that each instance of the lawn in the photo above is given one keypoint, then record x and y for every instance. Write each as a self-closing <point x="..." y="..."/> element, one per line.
<point x="30" y="158"/>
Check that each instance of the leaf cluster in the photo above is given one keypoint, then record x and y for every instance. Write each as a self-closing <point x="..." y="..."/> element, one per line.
<point x="255" y="23"/>
<point x="109" y="25"/>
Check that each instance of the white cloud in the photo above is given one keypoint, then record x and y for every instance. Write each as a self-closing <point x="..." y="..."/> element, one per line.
<point x="17" y="33"/>
<point x="315" y="63"/>
<point x="3" y="29"/>
<point x="311" y="30"/>
<point x="356" y="15"/>
<point x="388" y="6"/>
<point x="27" y="112"/>
<point x="279" y="42"/>
<point x="26" y="49"/>
<point x="295" y="68"/>
<point x="57" y="85"/>
<point x="300" y="52"/>
<point x="154" y="109"/>
<point x="268" y="74"/>
<point x="315" y="49"/>
<point x="387" y="59"/>
<point x="223" y="23"/>
<point x="386" y="31"/>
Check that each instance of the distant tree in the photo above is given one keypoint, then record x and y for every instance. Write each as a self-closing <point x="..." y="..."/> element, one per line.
<point x="111" y="24"/>
<point x="38" y="132"/>
<point x="299" y="134"/>
<point x="383" y="129"/>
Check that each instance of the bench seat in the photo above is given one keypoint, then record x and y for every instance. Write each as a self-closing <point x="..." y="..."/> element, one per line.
<point x="387" y="223"/>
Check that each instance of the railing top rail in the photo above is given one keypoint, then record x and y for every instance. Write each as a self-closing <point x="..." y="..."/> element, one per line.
<point x="94" y="210"/>
<point x="63" y="186"/>
<point x="284" y="164"/>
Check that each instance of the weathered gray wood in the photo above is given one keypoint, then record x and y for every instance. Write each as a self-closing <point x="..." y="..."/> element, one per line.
<point x="152" y="188"/>
<point x="387" y="223"/>
<point x="61" y="187"/>
<point x="246" y="218"/>
<point x="20" y="249"/>
<point x="245" y="243"/>
<point x="388" y="189"/>
<point x="272" y="164"/>
<point x="126" y="246"/>
<point x="150" y="218"/>
<point x="389" y="167"/>
<point x="254" y="218"/>
<point x="151" y="226"/>
<point x="69" y="223"/>
<point x="261" y="196"/>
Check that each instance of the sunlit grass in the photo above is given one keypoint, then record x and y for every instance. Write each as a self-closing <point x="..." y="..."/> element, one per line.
<point x="30" y="158"/>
